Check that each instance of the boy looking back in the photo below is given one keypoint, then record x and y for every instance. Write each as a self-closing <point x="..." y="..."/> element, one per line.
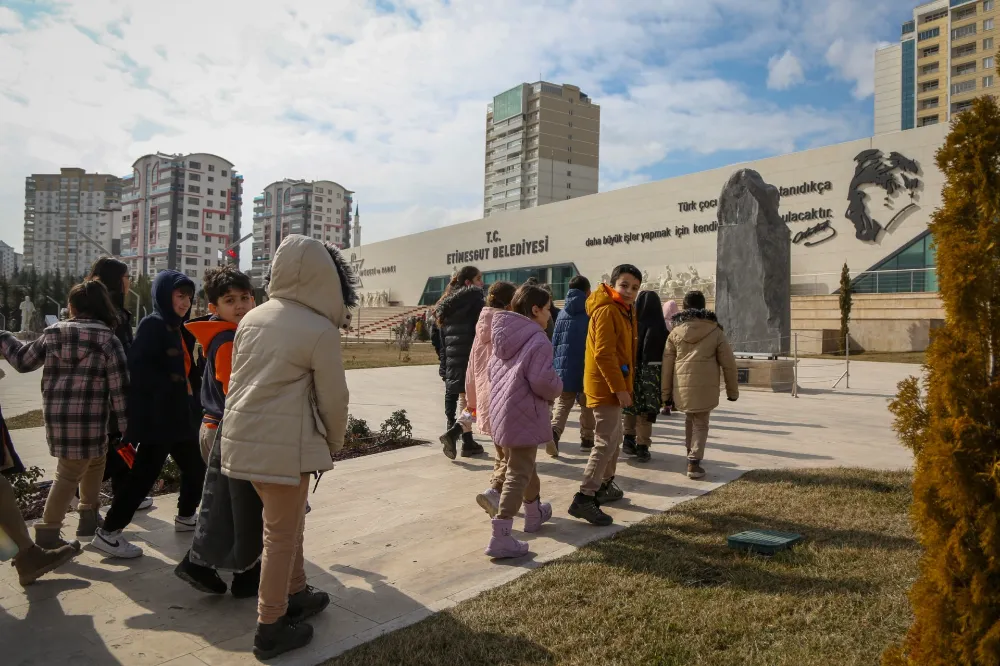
<point x="229" y="535"/>
<point x="607" y="382"/>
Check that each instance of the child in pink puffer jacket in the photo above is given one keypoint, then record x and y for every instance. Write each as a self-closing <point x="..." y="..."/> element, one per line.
<point x="523" y="383"/>
<point x="477" y="386"/>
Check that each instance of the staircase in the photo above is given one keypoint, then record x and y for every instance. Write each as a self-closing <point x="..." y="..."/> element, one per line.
<point x="378" y="322"/>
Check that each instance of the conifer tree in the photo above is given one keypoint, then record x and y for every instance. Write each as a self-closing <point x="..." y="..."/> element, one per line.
<point x="952" y="421"/>
<point x="846" y="302"/>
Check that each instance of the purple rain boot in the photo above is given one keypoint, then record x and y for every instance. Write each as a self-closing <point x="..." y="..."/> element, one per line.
<point x="503" y="544"/>
<point x="536" y="513"/>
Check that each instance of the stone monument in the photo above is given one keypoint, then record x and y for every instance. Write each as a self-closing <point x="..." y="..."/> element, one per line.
<point x="27" y="314"/>
<point x="753" y="279"/>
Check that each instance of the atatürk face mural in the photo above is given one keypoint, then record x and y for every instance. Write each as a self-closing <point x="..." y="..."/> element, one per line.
<point x="889" y="173"/>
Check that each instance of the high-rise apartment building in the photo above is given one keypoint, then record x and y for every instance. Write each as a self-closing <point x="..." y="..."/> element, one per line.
<point x="319" y="208"/>
<point x="58" y="209"/>
<point x="542" y="145"/>
<point x="10" y="260"/>
<point x="179" y="212"/>
<point x="946" y="57"/>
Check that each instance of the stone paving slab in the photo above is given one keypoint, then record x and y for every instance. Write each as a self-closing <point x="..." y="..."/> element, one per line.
<point x="398" y="536"/>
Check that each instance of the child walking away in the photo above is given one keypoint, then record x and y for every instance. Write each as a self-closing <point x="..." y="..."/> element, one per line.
<point x="695" y="351"/>
<point x="457" y="314"/>
<point x="607" y="381"/>
<point x="640" y="417"/>
<point x="164" y="413"/>
<point x="477" y="386"/>
<point x="286" y="414"/>
<point x="569" y="342"/>
<point x="84" y="382"/>
<point x="30" y="560"/>
<point x="523" y="383"/>
<point x="229" y="534"/>
<point x="670" y="308"/>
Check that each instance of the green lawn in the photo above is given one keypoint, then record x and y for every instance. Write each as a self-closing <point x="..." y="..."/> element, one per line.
<point x="669" y="591"/>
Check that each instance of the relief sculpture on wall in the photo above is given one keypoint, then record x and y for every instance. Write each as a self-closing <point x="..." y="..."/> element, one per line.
<point x="669" y="285"/>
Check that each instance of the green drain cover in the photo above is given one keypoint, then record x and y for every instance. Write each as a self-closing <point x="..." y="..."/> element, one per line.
<point x="764" y="542"/>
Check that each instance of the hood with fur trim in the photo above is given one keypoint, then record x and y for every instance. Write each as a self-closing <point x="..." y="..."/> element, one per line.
<point x="694" y="325"/>
<point x="315" y="275"/>
<point x="463" y="303"/>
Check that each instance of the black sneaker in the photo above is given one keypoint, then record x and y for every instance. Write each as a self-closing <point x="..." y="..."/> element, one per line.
<point x="586" y="507"/>
<point x="609" y="492"/>
<point x="303" y="605"/>
<point x="470" y="447"/>
<point x="628" y="445"/>
<point x="279" y="638"/>
<point x="246" y="584"/>
<point x="586" y="443"/>
<point x="449" y="439"/>
<point x="203" y="579"/>
<point x="642" y="454"/>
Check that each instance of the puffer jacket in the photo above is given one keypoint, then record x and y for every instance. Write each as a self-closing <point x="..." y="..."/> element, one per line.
<point x="612" y="337"/>
<point x="696" y="350"/>
<point x="522" y="382"/>
<point x="569" y="341"/>
<point x="477" y="377"/>
<point x="286" y="410"/>
<point x="457" y="314"/>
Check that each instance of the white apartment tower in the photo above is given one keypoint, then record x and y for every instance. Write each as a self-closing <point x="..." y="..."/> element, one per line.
<point x="8" y="260"/>
<point x="178" y="212"/>
<point x="542" y="145"/>
<point x="319" y="208"/>
<point x="58" y="210"/>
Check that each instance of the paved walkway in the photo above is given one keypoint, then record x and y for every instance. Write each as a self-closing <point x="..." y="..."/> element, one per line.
<point x="398" y="536"/>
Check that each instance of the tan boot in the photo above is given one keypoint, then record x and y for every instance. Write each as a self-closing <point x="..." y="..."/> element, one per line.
<point x="49" y="538"/>
<point x="695" y="470"/>
<point x="90" y="520"/>
<point x="35" y="562"/>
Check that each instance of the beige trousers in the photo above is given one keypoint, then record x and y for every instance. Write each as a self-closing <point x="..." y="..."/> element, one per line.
<point x="696" y="434"/>
<point x="521" y="483"/>
<point x="564" y="405"/>
<point x="603" y="460"/>
<point x="282" y="569"/>
<point x="86" y="474"/>
<point x="639" y="427"/>
<point x="206" y="439"/>
<point x="499" y="468"/>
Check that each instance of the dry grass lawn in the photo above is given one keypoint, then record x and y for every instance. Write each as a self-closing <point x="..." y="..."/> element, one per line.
<point x="669" y="591"/>
<point x="32" y="419"/>
<point x="378" y="355"/>
<point x="879" y="357"/>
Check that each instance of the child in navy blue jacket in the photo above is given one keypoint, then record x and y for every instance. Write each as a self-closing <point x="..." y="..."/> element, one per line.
<point x="164" y="413"/>
<point x="570" y="342"/>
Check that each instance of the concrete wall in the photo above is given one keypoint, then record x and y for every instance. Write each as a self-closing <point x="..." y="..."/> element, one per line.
<point x="668" y="223"/>
<point x="879" y="322"/>
<point x="888" y="89"/>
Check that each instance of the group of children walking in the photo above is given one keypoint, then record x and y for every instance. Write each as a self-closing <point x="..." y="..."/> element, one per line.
<point x="614" y="351"/>
<point x="255" y="395"/>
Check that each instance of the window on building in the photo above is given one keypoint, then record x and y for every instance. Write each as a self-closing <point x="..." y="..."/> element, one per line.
<point x="568" y="186"/>
<point x="222" y="216"/>
<point x="208" y="227"/>
<point x="317" y="218"/>
<point x="194" y="189"/>
<point x="190" y="237"/>
<point x="967" y="68"/>
<point x="987" y="25"/>
<point x="963" y="87"/>
<point x="192" y="212"/>
<point x="338" y="195"/>
<point x="193" y="176"/>
<point x="988" y="81"/>
<point x="964" y="13"/>
<point x="988" y="63"/>
<point x="567" y="196"/>
<point x="191" y="248"/>
<point x="193" y="225"/>
<point x="988" y="44"/>
<point x="190" y="261"/>
<point x="208" y="239"/>
<point x="224" y="174"/>
<point x="930" y="50"/>
<point x="208" y="216"/>
<point x="208" y="250"/>
<point x="569" y="149"/>
<point x="929" y="85"/>
<point x="211" y="167"/>
<point x="912" y="269"/>
<point x="208" y="262"/>
<point x="988" y="5"/>
<point x="319" y="198"/>
<point x="965" y="31"/>
<point x="194" y="165"/>
<point x="930" y="69"/>
<point x="210" y="192"/>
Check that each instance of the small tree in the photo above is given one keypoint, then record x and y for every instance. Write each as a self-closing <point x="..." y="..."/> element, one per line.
<point x="846" y="301"/>
<point x="953" y="424"/>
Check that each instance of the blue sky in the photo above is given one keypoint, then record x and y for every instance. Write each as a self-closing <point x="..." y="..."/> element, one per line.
<point x="388" y="97"/>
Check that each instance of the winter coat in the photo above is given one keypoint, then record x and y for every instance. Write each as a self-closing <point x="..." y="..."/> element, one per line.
<point x="522" y="382"/>
<point x="569" y="341"/>
<point x="477" y="378"/>
<point x="286" y="410"/>
<point x="230" y="531"/>
<point x="696" y="350"/>
<point x="651" y="328"/>
<point x="216" y="337"/>
<point x="457" y="315"/>
<point x="609" y="365"/>
<point x="164" y="405"/>
<point x="670" y="308"/>
<point x="84" y="381"/>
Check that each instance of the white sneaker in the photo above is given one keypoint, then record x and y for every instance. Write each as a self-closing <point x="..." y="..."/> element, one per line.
<point x="489" y="499"/>
<point x="145" y="504"/>
<point x="185" y="524"/>
<point x="114" y="544"/>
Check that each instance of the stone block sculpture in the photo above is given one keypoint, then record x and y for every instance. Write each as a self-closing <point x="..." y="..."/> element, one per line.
<point x="753" y="267"/>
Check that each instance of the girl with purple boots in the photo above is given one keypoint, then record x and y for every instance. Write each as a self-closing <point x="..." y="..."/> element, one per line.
<point x="523" y="383"/>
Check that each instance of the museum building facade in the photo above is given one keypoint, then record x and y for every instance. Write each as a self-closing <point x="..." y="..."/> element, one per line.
<point x="866" y="203"/>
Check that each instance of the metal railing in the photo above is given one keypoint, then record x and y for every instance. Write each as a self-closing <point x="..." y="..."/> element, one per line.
<point x="895" y="281"/>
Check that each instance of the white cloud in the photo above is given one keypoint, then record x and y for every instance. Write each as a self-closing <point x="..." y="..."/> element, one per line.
<point x="855" y="62"/>
<point x="389" y="105"/>
<point x="784" y="71"/>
